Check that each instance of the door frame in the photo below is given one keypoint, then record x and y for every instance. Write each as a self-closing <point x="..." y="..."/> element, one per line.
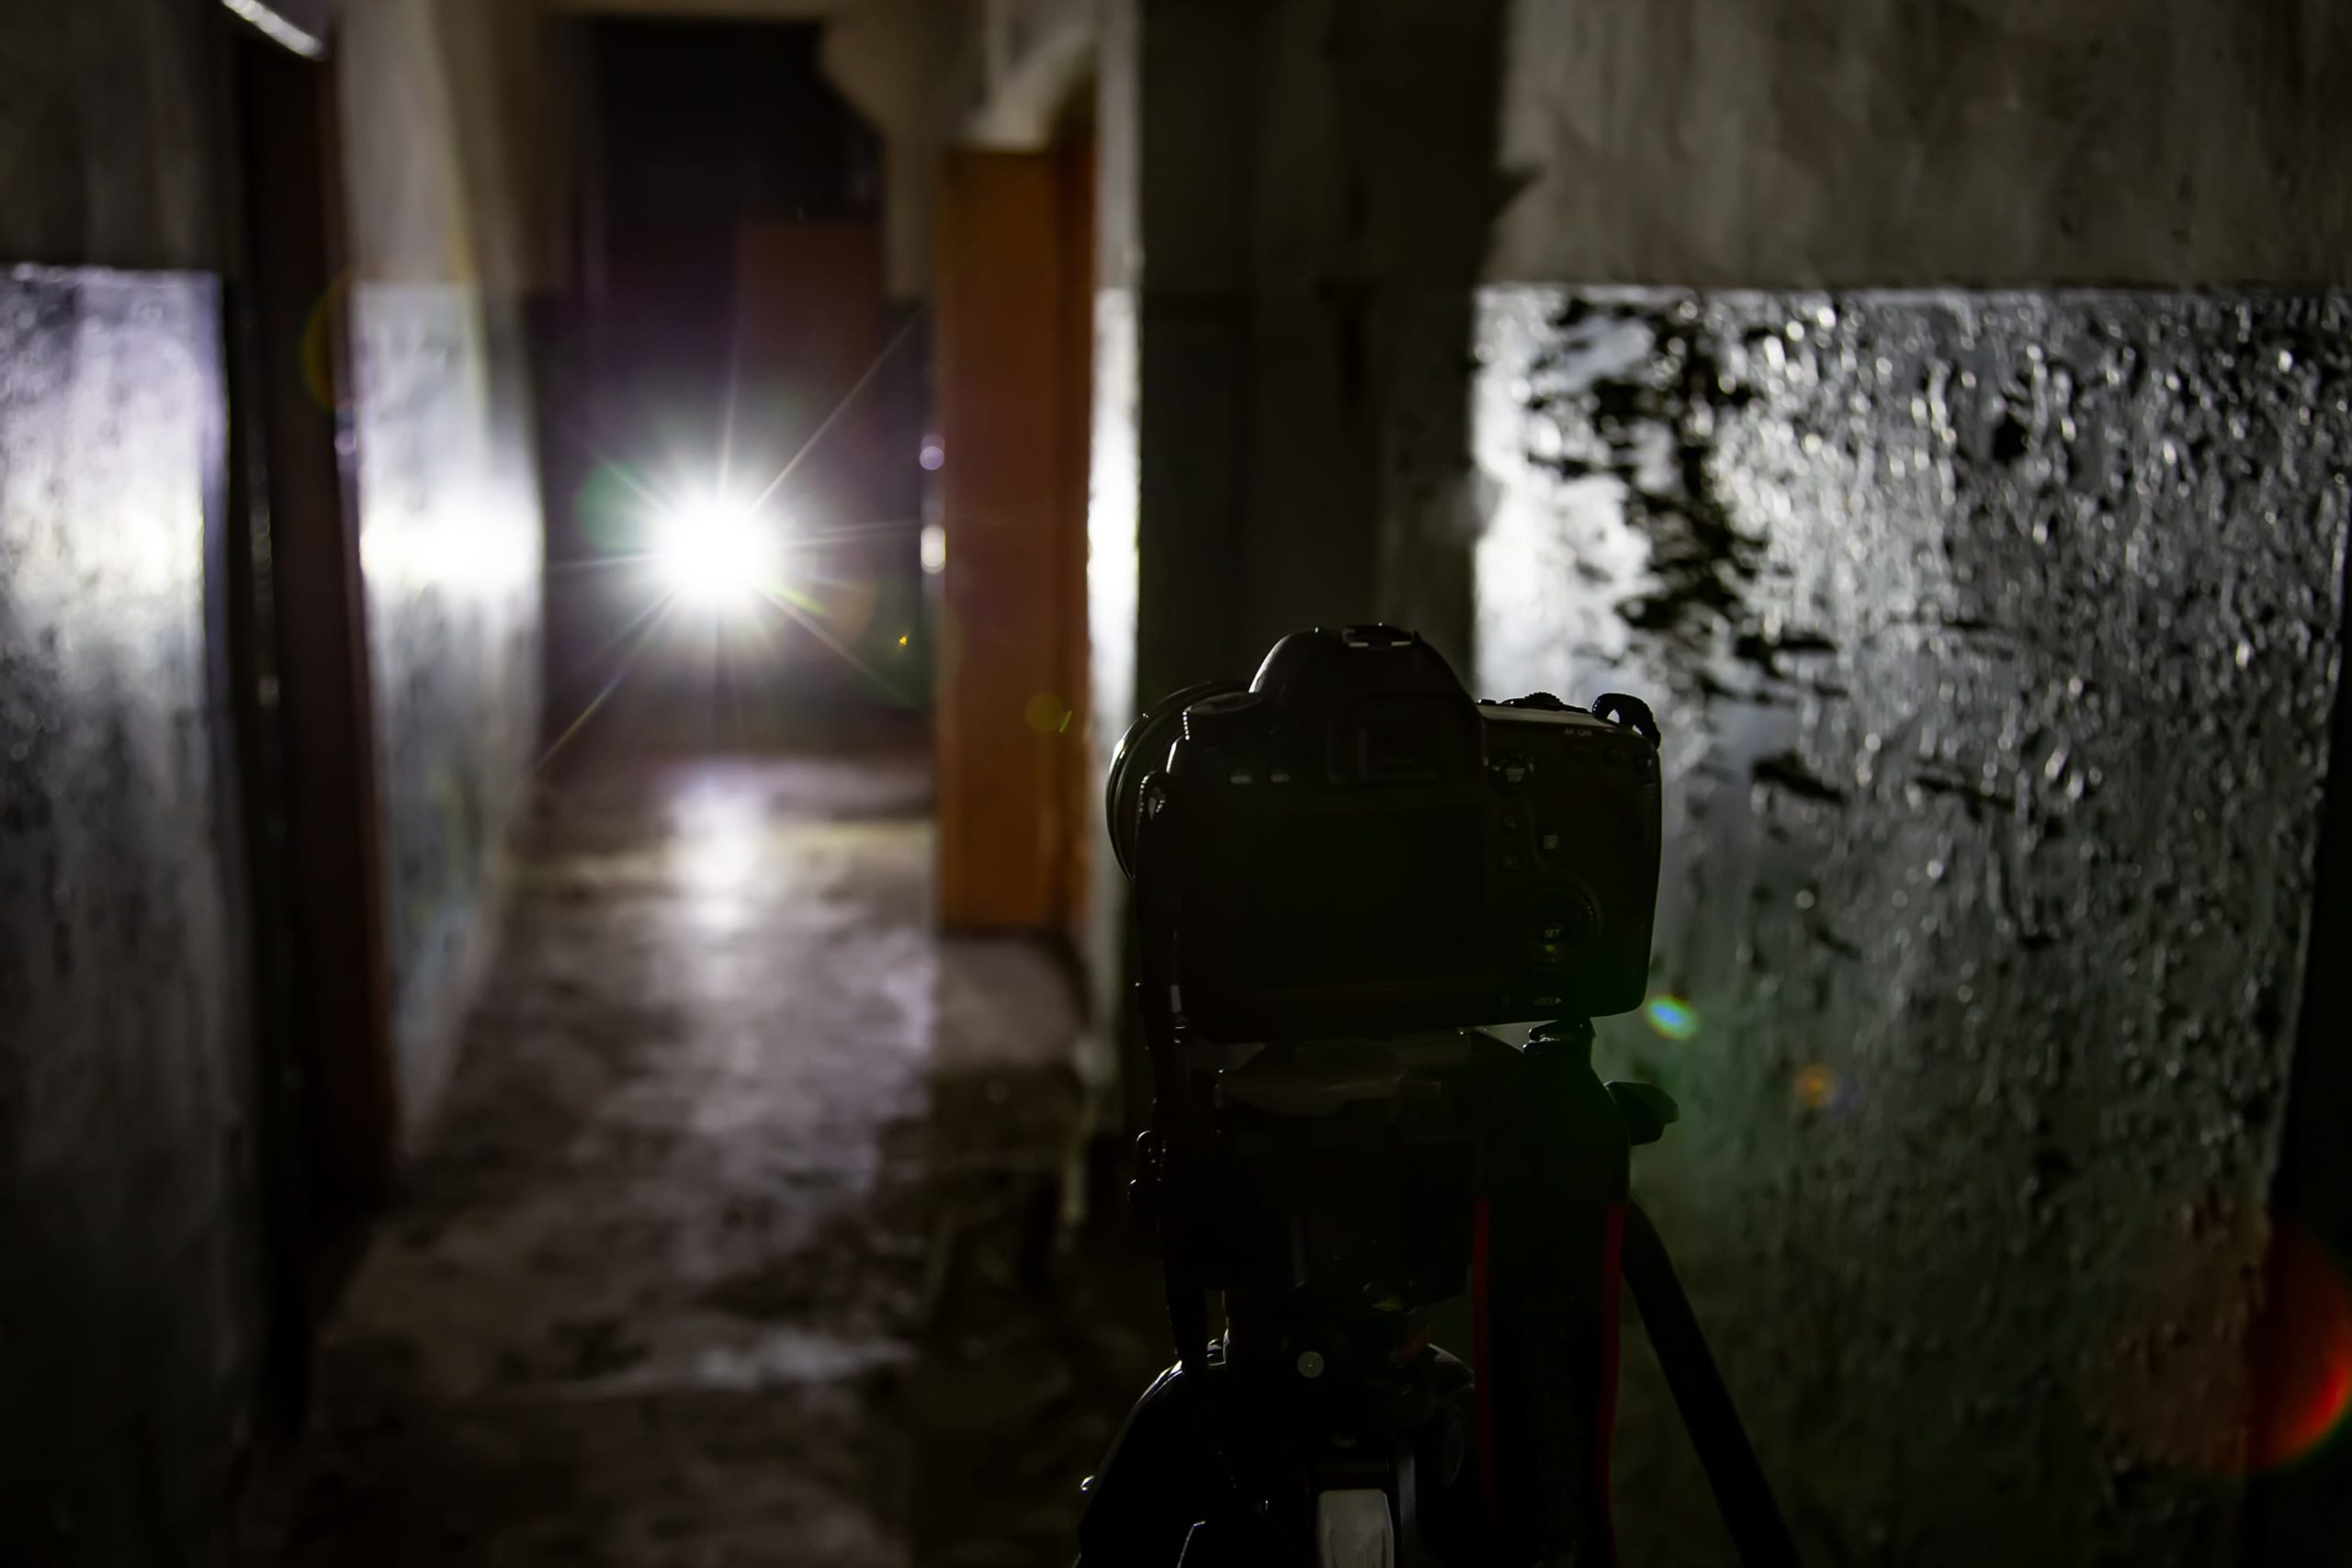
<point x="329" y="1111"/>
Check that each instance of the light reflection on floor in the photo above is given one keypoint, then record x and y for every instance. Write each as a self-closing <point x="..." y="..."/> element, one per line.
<point x="659" y="1274"/>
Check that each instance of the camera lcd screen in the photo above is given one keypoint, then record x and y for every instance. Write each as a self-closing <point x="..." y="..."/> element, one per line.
<point x="1345" y="898"/>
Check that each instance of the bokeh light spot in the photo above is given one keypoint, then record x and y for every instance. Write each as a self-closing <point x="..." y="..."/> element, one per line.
<point x="1816" y="1086"/>
<point x="1672" y="1016"/>
<point x="1048" y="714"/>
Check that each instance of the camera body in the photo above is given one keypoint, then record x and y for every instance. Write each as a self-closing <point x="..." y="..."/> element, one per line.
<point x="1353" y="846"/>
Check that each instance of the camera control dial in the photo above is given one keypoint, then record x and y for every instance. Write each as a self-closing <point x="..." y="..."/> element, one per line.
<point x="1227" y="718"/>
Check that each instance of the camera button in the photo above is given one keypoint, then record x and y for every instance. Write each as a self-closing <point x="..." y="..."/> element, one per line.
<point x="1512" y="772"/>
<point x="1510" y="862"/>
<point x="1548" y="840"/>
<point x="1562" y="923"/>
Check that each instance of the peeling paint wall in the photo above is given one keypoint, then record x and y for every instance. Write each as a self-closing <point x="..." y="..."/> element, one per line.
<point x="129" y="1316"/>
<point x="447" y="485"/>
<point x="1995" y="639"/>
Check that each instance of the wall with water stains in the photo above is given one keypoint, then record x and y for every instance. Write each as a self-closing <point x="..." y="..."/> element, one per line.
<point x="447" y="485"/>
<point x="1995" y="640"/>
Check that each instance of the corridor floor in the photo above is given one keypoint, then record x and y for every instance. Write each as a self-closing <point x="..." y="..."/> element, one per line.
<point x="735" y="1239"/>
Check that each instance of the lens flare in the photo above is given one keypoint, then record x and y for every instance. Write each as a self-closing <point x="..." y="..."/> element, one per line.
<point x="1048" y="714"/>
<point x="2303" y="1351"/>
<point x="1672" y="1016"/>
<point x="2230" y="1352"/>
<point x="717" y="552"/>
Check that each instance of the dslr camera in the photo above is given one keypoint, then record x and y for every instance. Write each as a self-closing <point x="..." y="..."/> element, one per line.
<point x="1367" y="850"/>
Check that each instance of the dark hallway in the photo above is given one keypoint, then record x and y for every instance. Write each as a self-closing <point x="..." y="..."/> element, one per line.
<point x="970" y="783"/>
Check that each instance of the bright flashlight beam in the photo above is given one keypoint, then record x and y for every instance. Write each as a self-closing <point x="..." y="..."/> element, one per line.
<point x="717" y="553"/>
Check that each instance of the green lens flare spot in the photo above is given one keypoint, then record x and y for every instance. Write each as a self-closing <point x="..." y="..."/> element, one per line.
<point x="1672" y="1016"/>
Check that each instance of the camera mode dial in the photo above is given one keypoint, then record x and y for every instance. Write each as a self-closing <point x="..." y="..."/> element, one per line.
<point x="1227" y="719"/>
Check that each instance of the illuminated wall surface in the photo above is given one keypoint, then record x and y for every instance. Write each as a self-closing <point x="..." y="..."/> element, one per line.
<point x="1995" y="639"/>
<point x="448" y="496"/>
<point x="450" y="545"/>
<point x="126" y="1238"/>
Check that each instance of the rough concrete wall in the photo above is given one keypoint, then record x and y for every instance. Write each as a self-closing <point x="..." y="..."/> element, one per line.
<point x="448" y="494"/>
<point x="128" y="1320"/>
<point x="1995" y="639"/>
<point x="106" y="135"/>
<point x="1882" y="142"/>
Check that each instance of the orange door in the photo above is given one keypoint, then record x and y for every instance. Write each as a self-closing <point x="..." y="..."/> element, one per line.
<point x="1015" y="292"/>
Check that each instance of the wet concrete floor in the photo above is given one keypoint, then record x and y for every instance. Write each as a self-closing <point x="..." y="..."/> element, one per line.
<point x="739" y="1237"/>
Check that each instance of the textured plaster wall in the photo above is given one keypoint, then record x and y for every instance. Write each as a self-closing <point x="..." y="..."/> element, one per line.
<point x="1764" y="143"/>
<point x="449" y="504"/>
<point x="128" y="1314"/>
<point x="1994" y="637"/>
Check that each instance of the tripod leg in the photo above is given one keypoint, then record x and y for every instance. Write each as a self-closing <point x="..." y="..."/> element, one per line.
<point x="1742" y="1493"/>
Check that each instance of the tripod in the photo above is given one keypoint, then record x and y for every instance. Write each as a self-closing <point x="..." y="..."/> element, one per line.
<point x="1335" y="1194"/>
